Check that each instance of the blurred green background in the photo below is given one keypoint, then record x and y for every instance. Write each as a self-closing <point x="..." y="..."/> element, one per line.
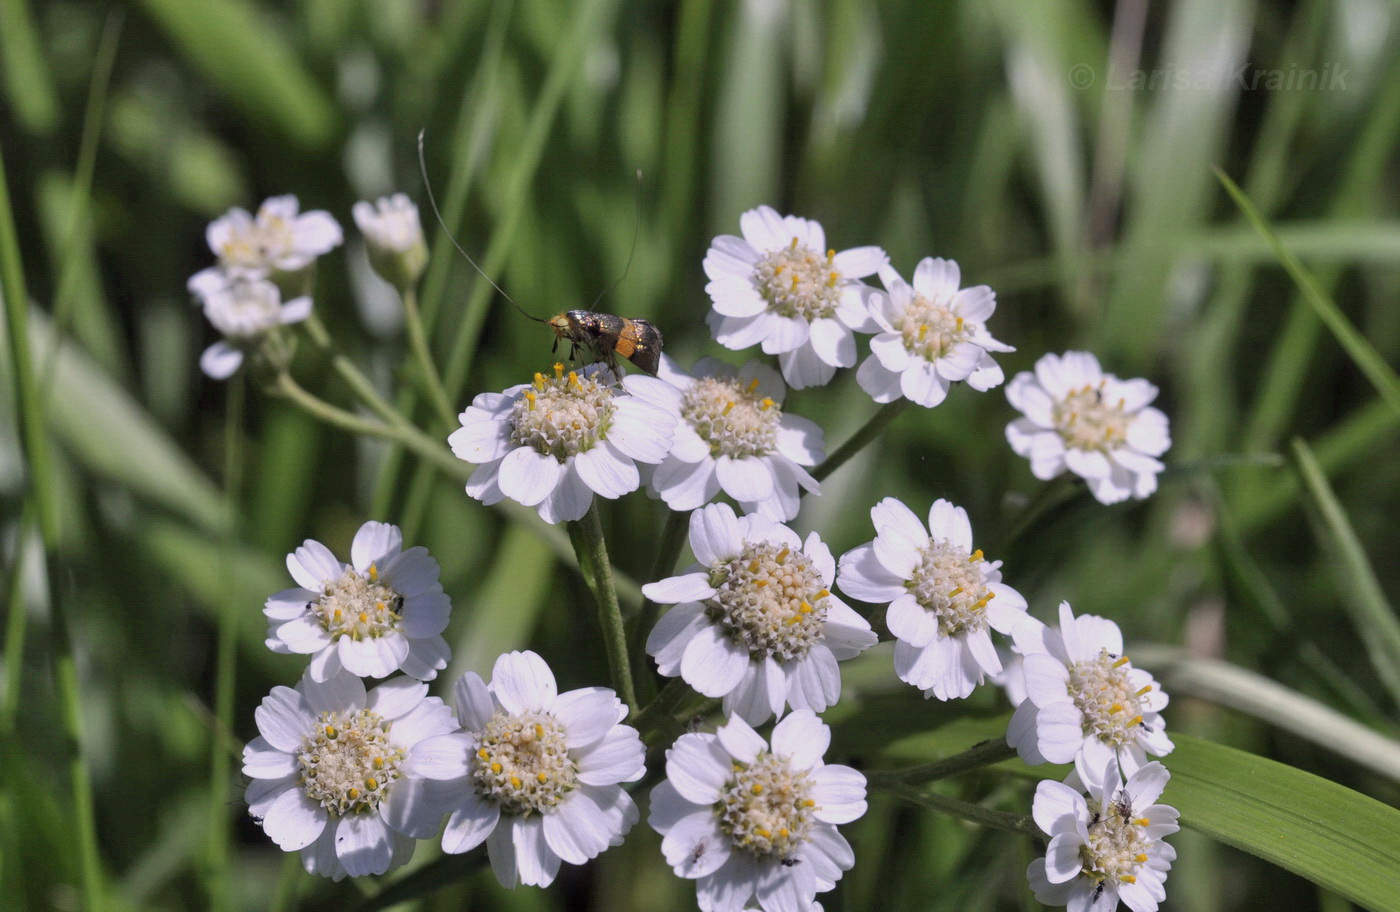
<point x="995" y="133"/>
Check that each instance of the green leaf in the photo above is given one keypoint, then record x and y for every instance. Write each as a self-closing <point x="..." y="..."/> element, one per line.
<point x="1325" y="832"/>
<point x="1366" y="357"/>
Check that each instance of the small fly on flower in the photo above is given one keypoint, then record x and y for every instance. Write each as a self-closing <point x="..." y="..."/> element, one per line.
<point x="602" y="335"/>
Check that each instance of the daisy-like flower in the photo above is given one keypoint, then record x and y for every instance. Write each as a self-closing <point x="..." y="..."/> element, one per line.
<point x="381" y="613"/>
<point x="535" y="774"/>
<point x="245" y="311"/>
<point x="780" y="286"/>
<point x="1097" y="426"/>
<point x="1085" y="702"/>
<point x="748" y="822"/>
<point x="554" y="443"/>
<point x="934" y="334"/>
<point x="755" y="621"/>
<point x="278" y="239"/>
<point x="944" y="598"/>
<point x="1107" y="846"/>
<point x="328" y="772"/>
<point x="734" y="437"/>
<point x="393" y="237"/>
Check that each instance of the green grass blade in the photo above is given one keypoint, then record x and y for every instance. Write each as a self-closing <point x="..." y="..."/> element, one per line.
<point x="1366" y="357"/>
<point x="28" y="83"/>
<point x="1376" y="624"/>
<point x="1329" y="834"/>
<point x="249" y="59"/>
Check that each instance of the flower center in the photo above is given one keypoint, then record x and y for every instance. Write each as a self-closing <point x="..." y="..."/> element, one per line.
<point x="1117" y="843"/>
<point x="730" y="416"/>
<point x="930" y="329"/>
<point x="953" y="586"/>
<point x="766" y="807"/>
<point x="798" y="281"/>
<point x="245" y="309"/>
<point x="563" y="415"/>
<point x="770" y="599"/>
<point x="523" y="763"/>
<point x="348" y="761"/>
<point x="1087" y="422"/>
<point x="1111" y="706"/>
<point x="360" y="607"/>
<point x="262" y="242"/>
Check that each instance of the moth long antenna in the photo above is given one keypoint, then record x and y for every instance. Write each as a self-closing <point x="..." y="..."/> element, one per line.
<point x="636" y="228"/>
<point x="432" y="201"/>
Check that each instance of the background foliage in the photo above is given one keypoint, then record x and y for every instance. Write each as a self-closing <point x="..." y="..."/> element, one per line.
<point x="965" y="130"/>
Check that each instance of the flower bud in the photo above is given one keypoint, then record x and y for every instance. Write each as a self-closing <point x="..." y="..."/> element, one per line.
<point x="394" y="239"/>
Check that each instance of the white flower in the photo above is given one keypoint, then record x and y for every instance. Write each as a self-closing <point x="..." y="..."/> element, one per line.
<point x="554" y="443"/>
<point x="1086" y="702"/>
<point x="328" y="771"/>
<point x="536" y="774"/>
<point x="1106" y="848"/>
<point x="383" y="612"/>
<point x="278" y="240"/>
<point x="394" y="238"/>
<point x="734" y="437"/>
<point x="748" y="822"/>
<point x="933" y="335"/>
<point x="779" y="285"/>
<point x="756" y="621"/>
<point x="943" y="597"/>
<point x="1097" y="426"/>
<point x="245" y="311"/>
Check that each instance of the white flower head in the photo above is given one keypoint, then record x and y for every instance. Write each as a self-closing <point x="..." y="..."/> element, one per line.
<point x="934" y="334"/>
<point x="944" y="598"/>
<point x="1106" y="846"/>
<point x="755" y="621"/>
<point x="748" y="822"/>
<point x="278" y="239"/>
<point x="394" y="238"/>
<point x="781" y="287"/>
<point x="554" y="443"/>
<point x="1099" y="427"/>
<point x="734" y="437"/>
<point x="245" y="311"/>
<point x="1085" y="702"/>
<point x="381" y="613"/>
<point x="328" y="771"/>
<point x="535" y="774"/>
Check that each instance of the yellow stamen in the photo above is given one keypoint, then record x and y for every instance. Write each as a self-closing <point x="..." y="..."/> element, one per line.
<point x="809" y="803"/>
<point x="955" y="592"/>
<point x="353" y="794"/>
<point x="764" y="833"/>
<point x="1144" y="689"/>
<point x="960" y="324"/>
<point x="794" y="283"/>
<point x="380" y="606"/>
<point x="1128" y="878"/>
<point x="371" y="783"/>
<point x="530" y="398"/>
<point x="558" y="370"/>
<point x="373" y="572"/>
<point x="1142" y="821"/>
<point x="1121" y="404"/>
<point x="923" y="331"/>
<point x="1115" y="708"/>
<point x="515" y="782"/>
<point x="539" y="730"/>
<point x="484" y="754"/>
<point x="783" y="833"/>
<point x="496" y="767"/>
<point x="542" y="778"/>
<point x="753" y="567"/>
<point x="539" y="380"/>
<point x="573" y="379"/>
<point x="364" y="618"/>
<point x="753" y="384"/>
<point x="822" y="594"/>
<point x="976" y="556"/>
<point x="757" y="789"/>
<point x="765" y="405"/>
<point x="760" y="583"/>
<point x="338" y="614"/>
<point x="794" y="243"/>
<point x="1134" y="721"/>
<point x="804" y="608"/>
<point x="1140" y="859"/>
<point x="777" y="271"/>
<point x="831" y="256"/>
<point x="379" y="763"/>
<point x="727" y="407"/>
<point x="330" y="732"/>
<point x="782" y="555"/>
<point x="1123" y="660"/>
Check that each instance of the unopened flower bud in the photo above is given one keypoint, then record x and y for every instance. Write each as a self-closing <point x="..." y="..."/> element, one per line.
<point x="394" y="238"/>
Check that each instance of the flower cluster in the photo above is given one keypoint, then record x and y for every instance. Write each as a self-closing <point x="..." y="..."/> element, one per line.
<point x="351" y="776"/>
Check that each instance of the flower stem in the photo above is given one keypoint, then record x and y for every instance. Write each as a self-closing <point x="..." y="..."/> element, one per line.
<point x="587" y="537"/>
<point x="861" y="438"/>
<point x="1051" y="497"/>
<point x="663" y="707"/>
<point x="418" y="342"/>
<point x="668" y="551"/>
<point x="974" y="813"/>
<point x="352" y="375"/>
<point x="993" y="750"/>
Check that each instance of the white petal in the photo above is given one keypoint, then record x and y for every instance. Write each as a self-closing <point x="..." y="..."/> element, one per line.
<point x="839" y="792"/>
<point x="746" y="479"/>
<point x="889" y="349"/>
<point x="469" y="824"/>
<point x="862" y="576"/>
<point x="377" y="657"/>
<point x="712" y="663"/>
<point x="293" y="821"/>
<point x="911" y="622"/>
<point x="692" y="587"/>
<point x="536" y="863"/>
<point x="833" y="342"/>
<point x="442" y="757"/>
<point x="697" y="767"/>
<point x="694" y="846"/>
<point x="714" y="534"/>
<point x="313" y="565"/>
<point x="220" y="361"/>
<point x="802" y="368"/>
<point x="607" y="472"/>
<point x="569" y="500"/>
<point x="802" y="738"/>
<point x="881" y="383"/>
<point x="618" y="757"/>
<point x="587" y="714"/>
<point x="284" y="719"/>
<point x="893" y="513"/>
<point x="923" y="384"/>
<point x="523" y="683"/>
<point x="375" y="543"/>
<point x="527" y="476"/>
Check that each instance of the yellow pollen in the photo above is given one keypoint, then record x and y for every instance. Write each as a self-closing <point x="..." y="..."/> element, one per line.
<point x="1128" y="878"/>
<point x="976" y="556"/>
<point x="955" y="592"/>
<point x="833" y="278"/>
<point x="530" y="398"/>
<point x="496" y="767"/>
<point x="1142" y="821"/>
<point x="783" y="833"/>
<point x="364" y="618"/>
<point x="764" y="833"/>
<point x="794" y="283"/>
<point x="782" y="555"/>
<point x="371" y="783"/>
<point x="542" y="778"/>
<point x="1134" y="721"/>
<point x="727" y="407"/>
<point x="1144" y="689"/>
<point x="753" y="567"/>
<point x="923" y="331"/>
<point x="515" y="781"/>
<point x="539" y="730"/>
<point x="760" y="583"/>
<point x="809" y="803"/>
<point x="777" y="271"/>
<point x="794" y="243"/>
<point x="379" y="763"/>
<point x="1140" y="859"/>
<point x="558" y="370"/>
<point x="330" y="731"/>
<point x="1121" y="404"/>
<point x="960" y="324"/>
<point x="373" y="572"/>
<point x="339" y="614"/>
<point x="793" y="620"/>
<point x="753" y="384"/>
<point x="757" y="789"/>
<point x="353" y="793"/>
<point x="539" y="380"/>
<point x="1123" y="660"/>
<point x="805" y="608"/>
<point x="484" y="754"/>
<point x="831" y="256"/>
<point x="379" y="605"/>
<point x="823" y="594"/>
<point x="766" y="404"/>
<point x="1116" y="708"/>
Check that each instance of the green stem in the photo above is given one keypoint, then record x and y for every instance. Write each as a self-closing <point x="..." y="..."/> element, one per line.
<point x="664" y="706"/>
<point x="34" y="443"/>
<point x="668" y="551"/>
<point x="225" y="667"/>
<point x="986" y="753"/>
<point x="1050" y="497"/>
<point x="16" y="624"/>
<point x="861" y="438"/>
<point x="427" y="370"/>
<point x="587" y="537"/>
<point x="358" y="382"/>
<point x="1022" y="824"/>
